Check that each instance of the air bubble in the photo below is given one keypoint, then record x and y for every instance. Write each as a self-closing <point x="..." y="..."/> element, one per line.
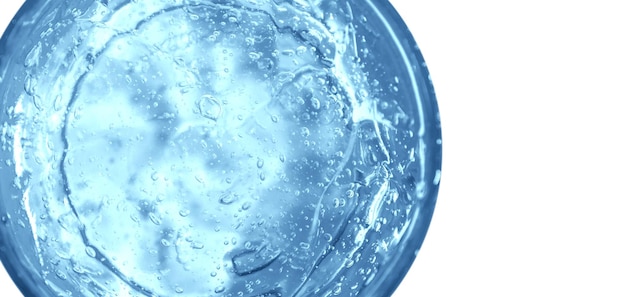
<point x="227" y="198"/>
<point x="90" y="251"/>
<point x="209" y="107"/>
<point x="254" y="55"/>
<point x="197" y="245"/>
<point x="30" y="86"/>
<point x="154" y="218"/>
<point x="61" y="275"/>
<point x="315" y="103"/>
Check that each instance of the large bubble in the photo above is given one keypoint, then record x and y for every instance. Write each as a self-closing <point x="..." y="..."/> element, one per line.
<point x="213" y="148"/>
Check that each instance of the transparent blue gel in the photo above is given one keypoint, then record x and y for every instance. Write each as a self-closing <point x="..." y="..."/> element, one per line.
<point x="252" y="148"/>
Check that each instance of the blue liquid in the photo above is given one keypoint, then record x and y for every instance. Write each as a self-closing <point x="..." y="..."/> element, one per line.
<point x="213" y="148"/>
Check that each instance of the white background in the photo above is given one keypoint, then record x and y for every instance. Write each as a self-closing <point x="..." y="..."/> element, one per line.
<point x="532" y="98"/>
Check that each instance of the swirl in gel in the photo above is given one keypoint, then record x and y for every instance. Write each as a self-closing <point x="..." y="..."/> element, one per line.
<point x="213" y="148"/>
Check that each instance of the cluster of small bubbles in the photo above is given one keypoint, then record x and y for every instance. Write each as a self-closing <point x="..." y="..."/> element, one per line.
<point x="265" y="64"/>
<point x="305" y="132"/>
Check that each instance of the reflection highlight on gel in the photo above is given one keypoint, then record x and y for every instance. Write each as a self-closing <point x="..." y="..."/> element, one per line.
<point x="249" y="148"/>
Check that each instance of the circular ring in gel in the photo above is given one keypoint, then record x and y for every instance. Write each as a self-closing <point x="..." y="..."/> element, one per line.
<point x="248" y="148"/>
